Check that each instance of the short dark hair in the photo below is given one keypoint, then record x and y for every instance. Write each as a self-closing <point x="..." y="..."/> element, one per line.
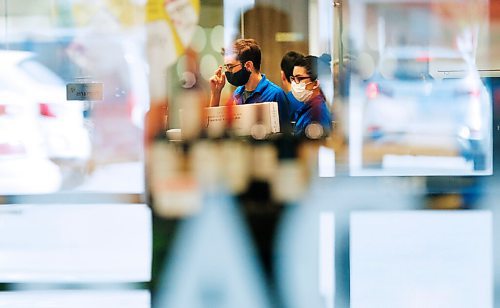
<point x="246" y="50"/>
<point x="288" y="62"/>
<point x="313" y="65"/>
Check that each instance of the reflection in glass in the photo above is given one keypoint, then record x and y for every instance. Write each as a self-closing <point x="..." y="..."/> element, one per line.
<point x="76" y="299"/>
<point x="75" y="243"/>
<point x="67" y="141"/>
<point x="421" y="108"/>
<point x="421" y="259"/>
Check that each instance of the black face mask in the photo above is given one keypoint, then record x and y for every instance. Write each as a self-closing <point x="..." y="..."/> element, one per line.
<point x="239" y="78"/>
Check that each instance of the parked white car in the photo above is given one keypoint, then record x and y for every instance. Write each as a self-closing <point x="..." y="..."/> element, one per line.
<point x="24" y="164"/>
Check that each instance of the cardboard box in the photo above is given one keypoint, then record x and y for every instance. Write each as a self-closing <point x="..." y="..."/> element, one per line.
<point x="249" y="119"/>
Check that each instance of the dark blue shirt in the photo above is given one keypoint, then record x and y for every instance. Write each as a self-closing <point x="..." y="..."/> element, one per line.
<point x="315" y="110"/>
<point x="267" y="91"/>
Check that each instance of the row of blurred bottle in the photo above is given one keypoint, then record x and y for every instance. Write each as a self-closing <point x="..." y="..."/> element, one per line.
<point x="198" y="158"/>
<point x="180" y="172"/>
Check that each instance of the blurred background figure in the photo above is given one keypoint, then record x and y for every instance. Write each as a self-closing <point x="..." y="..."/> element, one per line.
<point x="313" y="118"/>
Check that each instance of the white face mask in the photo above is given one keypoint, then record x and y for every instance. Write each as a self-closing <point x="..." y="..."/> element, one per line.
<point x="300" y="92"/>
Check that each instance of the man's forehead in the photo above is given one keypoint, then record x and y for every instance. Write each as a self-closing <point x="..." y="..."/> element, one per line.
<point x="299" y="70"/>
<point x="231" y="58"/>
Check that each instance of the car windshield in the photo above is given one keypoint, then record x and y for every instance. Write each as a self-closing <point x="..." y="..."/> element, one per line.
<point x="40" y="73"/>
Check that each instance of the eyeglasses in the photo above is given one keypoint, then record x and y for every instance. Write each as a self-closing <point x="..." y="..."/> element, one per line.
<point x="298" y="79"/>
<point x="229" y="67"/>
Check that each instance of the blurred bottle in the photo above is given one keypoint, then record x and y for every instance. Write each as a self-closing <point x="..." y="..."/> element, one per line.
<point x="192" y="100"/>
<point x="173" y="182"/>
<point x="212" y="263"/>
<point x="289" y="182"/>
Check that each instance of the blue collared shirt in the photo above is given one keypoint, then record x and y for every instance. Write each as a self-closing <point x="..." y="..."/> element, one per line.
<point x="315" y="110"/>
<point x="295" y="104"/>
<point x="267" y="91"/>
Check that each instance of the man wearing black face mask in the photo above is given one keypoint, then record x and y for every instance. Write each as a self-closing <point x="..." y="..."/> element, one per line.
<point x="242" y="70"/>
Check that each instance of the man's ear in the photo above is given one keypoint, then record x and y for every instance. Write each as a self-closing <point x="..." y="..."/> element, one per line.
<point x="283" y="77"/>
<point x="249" y="66"/>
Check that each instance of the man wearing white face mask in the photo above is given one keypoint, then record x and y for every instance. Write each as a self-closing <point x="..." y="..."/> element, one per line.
<point x="286" y="65"/>
<point x="313" y="119"/>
